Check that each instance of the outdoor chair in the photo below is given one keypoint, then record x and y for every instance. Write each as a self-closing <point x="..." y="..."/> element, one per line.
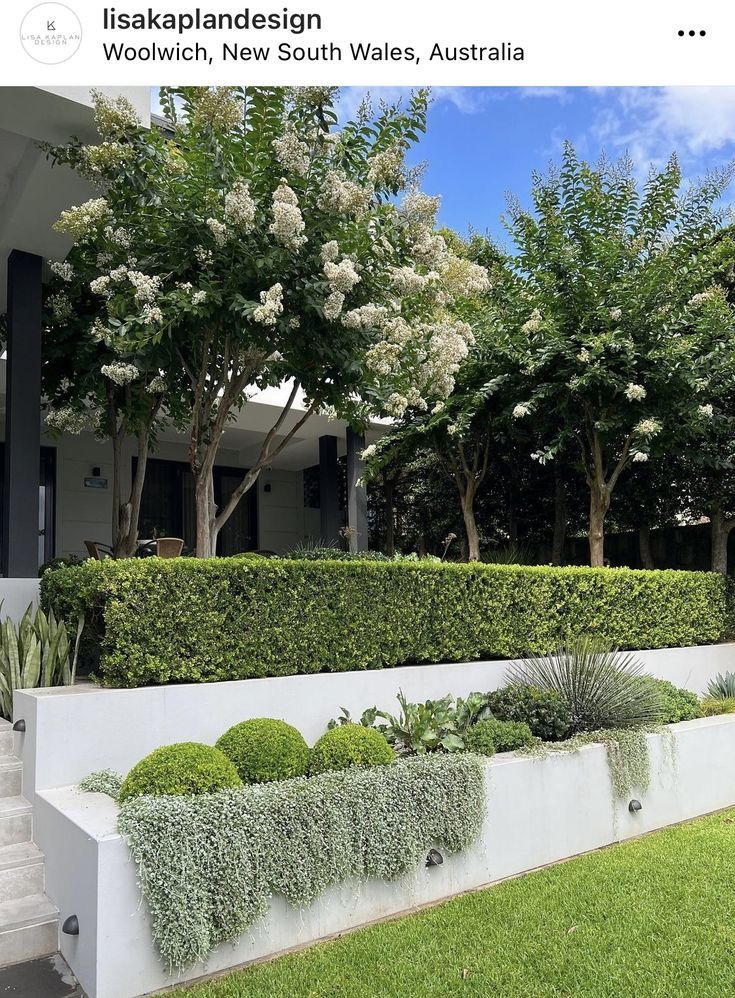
<point x="169" y="547"/>
<point x="98" y="550"/>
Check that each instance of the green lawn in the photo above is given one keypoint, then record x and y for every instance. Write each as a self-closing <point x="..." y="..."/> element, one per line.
<point x="651" y="917"/>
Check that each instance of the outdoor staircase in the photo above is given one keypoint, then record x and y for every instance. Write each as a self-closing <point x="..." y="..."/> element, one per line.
<point x="29" y="922"/>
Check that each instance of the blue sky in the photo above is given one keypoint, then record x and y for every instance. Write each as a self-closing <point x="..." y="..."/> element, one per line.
<point x="484" y="142"/>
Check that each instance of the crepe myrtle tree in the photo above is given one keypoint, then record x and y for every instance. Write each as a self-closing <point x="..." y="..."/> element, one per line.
<point x="96" y="379"/>
<point x="471" y="425"/>
<point x="268" y="247"/>
<point x="613" y="315"/>
<point x="705" y="471"/>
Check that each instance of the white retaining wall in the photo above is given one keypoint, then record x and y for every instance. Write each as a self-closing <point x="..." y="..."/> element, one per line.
<point x="15" y="595"/>
<point x="540" y="810"/>
<point x="72" y="731"/>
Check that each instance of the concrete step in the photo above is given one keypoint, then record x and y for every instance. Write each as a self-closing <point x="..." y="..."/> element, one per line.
<point x="11" y="774"/>
<point x="15" y="821"/>
<point x="6" y="737"/>
<point x="21" y="871"/>
<point x="29" y="928"/>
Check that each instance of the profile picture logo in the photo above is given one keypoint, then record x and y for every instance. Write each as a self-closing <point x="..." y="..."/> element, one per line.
<point x="51" y="33"/>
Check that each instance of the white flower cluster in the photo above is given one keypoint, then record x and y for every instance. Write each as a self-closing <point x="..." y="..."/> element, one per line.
<point x="344" y="197"/>
<point x="449" y="344"/>
<point x="288" y="223"/>
<point x="640" y="457"/>
<point x="151" y="315"/>
<point x="239" y="207"/>
<point x="341" y="276"/>
<point x="533" y="324"/>
<point x="147" y="288"/>
<point x="697" y="300"/>
<point x="584" y="356"/>
<point x="292" y="153"/>
<point x="648" y="427"/>
<point x="114" y="115"/>
<point x="333" y="305"/>
<point x="461" y="278"/>
<point x="420" y="209"/>
<point x="60" y="306"/>
<point x="156" y="385"/>
<point x="429" y="247"/>
<point x="203" y="255"/>
<point x="635" y="393"/>
<point x="199" y="297"/>
<point x="386" y="167"/>
<point x="330" y="251"/>
<point x="370" y="451"/>
<point x="100" y="160"/>
<point x="616" y="314"/>
<point x="121" y="373"/>
<point x="62" y="270"/>
<point x="271" y="307"/>
<point x="520" y="411"/>
<point x="705" y="410"/>
<point x="218" y="108"/>
<point x="80" y="221"/>
<point x="406" y="281"/>
<point x="368" y="316"/>
<point x="218" y="230"/>
<point x="65" y="419"/>
<point x="120" y="236"/>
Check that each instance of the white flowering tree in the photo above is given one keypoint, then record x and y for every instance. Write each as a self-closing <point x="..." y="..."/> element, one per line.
<point x="469" y="429"/>
<point x="102" y="382"/>
<point x="265" y="246"/>
<point x="618" y="307"/>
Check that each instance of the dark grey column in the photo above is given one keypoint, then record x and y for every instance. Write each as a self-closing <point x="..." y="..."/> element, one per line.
<point x="328" y="490"/>
<point x="357" y="518"/>
<point x="22" y="417"/>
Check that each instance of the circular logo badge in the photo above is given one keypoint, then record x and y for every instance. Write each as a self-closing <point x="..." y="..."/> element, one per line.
<point x="51" y="33"/>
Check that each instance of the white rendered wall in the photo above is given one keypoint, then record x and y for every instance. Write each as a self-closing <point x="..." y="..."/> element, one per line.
<point x="15" y="595"/>
<point x="71" y="731"/>
<point x="86" y="514"/>
<point x="540" y="810"/>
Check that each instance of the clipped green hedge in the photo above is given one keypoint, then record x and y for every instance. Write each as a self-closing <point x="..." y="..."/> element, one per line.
<point x="185" y="620"/>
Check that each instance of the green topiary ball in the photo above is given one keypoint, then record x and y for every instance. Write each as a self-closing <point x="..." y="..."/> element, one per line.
<point x="182" y="769"/>
<point x="505" y="736"/>
<point x="350" y="745"/>
<point x="479" y="739"/>
<point x="265" y="749"/>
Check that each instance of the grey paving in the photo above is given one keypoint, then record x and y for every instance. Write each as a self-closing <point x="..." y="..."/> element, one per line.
<point x="47" y="977"/>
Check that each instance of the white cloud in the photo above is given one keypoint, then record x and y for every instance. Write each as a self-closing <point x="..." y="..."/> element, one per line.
<point x="650" y="123"/>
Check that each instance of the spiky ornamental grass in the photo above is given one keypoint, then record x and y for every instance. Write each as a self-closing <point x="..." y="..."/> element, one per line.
<point x="208" y="865"/>
<point x="603" y="687"/>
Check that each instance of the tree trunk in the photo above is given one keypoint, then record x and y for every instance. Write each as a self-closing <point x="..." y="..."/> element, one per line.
<point x="390" y="532"/>
<point x="599" y="503"/>
<point x="206" y="543"/>
<point x="720" y="530"/>
<point x="127" y="514"/>
<point x="644" y="546"/>
<point x="560" y="521"/>
<point x="470" y="524"/>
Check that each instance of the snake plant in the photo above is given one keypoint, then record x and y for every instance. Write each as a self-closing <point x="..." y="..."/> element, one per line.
<point x="36" y="652"/>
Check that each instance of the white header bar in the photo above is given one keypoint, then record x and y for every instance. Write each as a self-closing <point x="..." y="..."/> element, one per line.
<point x="381" y="42"/>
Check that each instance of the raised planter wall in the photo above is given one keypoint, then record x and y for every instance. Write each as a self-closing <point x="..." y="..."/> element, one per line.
<point x="73" y="731"/>
<point x="540" y="810"/>
<point x="15" y="595"/>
